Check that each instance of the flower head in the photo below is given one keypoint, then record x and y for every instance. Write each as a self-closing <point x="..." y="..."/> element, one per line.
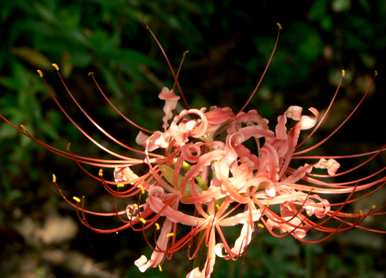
<point x="212" y="169"/>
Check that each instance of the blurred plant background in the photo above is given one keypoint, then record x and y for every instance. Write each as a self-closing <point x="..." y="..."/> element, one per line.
<point x="229" y="42"/>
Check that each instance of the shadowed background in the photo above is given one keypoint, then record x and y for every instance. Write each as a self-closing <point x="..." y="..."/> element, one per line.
<point x="228" y="45"/>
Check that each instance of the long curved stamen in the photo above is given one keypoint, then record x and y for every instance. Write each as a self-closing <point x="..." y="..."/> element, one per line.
<point x="175" y="76"/>
<point x="179" y="68"/>
<point x="92" y="161"/>
<point x="348" y="171"/>
<point x="90" y="118"/>
<point x="325" y="114"/>
<point x="257" y="87"/>
<point x="344" y="156"/>
<point x="324" y="140"/>
<point x="114" y="107"/>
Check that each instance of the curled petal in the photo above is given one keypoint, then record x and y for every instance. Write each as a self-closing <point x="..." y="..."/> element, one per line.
<point x="218" y="250"/>
<point x="298" y="174"/>
<point x="216" y="116"/>
<point x="270" y="190"/>
<point x="241" y="218"/>
<point x="319" y="209"/>
<point x="195" y="273"/>
<point x="307" y="122"/>
<point x="244" y="239"/>
<point x="159" y="252"/>
<point x="157" y="140"/>
<point x="294" y="112"/>
<point x="125" y="174"/>
<point x="191" y="152"/>
<point x="171" y="100"/>
<point x="141" y="263"/>
<point x="181" y="128"/>
<point x="281" y="130"/>
<point x="141" y="138"/>
<point x="331" y="165"/>
<point x="173" y="215"/>
<point x="289" y="224"/>
<point x="251" y="117"/>
<point x="156" y="191"/>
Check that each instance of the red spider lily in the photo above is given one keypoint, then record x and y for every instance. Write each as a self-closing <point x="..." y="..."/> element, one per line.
<point x="200" y="161"/>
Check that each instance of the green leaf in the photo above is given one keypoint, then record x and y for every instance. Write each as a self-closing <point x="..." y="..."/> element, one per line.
<point x="32" y="56"/>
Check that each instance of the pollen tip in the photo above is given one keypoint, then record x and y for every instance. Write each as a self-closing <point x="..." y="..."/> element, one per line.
<point x="55" y="66"/>
<point x="100" y="172"/>
<point x="157" y="226"/>
<point x="40" y="73"/>
<point x="375" y="73"/>
<point x="160" y="268"/>
<point x="343" y="72"/>
<point x="91" y="73"/>
<point x="261" y="226"/>
<point x="120" y="185"/>
<point x="76" y="199"/>
<point x="53" y="178"/>
<point x="142" y="220"/>
<point x="170" y="235"/>
<point x="140" y="187"/>
<point x="374" y="206"/>
<point x="279" y="26"/>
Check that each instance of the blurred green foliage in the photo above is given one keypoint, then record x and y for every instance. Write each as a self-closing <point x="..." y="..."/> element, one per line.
<point x="228" y="42"/>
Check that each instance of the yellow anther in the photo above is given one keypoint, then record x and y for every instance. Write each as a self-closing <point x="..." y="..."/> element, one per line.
<point x="53" y="178"/>
<point x="142" y="220"/>
<point x="91" y="73"/>
<point x="76" y="199"/>
<point x="343" y="72"/>
<point x="375" y="73"/>
<point x="55" y="66"/>
<point x="157" y="227"/>
<point x="40" y="73"/>
<point x="374" y="206"/>
<point x="140" y="187"/>
<point x="160" y="268"/>
<point x="361" y="211"/>
<point x="261" y="226"/>
<point x="217" y="206"/>
<point x="120" y="185"/>
<point x="100" y="172"/>
<point x="279" y="26"/>
<point x="170" y="234"/>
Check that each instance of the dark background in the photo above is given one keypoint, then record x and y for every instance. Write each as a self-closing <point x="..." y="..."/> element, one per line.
<point x="229" y="43"/>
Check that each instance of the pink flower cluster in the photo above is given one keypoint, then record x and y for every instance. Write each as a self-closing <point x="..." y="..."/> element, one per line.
<point x="210" y="170"/>
<point x="231" y="170"/>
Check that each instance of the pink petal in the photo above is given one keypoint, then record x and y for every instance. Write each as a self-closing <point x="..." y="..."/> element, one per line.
<point x="170" y="104"/>
<point x="141" y="138"/>
<point x="331" y="165"/>
<point x="294" y="112"/>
